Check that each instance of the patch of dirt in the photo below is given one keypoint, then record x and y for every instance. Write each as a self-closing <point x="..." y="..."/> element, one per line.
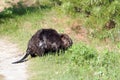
<point x="110" y="24"/>
<point x="79" y="32"/>
<point x="9" y="53"/>
<point x="3" y="5"/>
<point x="9" y="3"/>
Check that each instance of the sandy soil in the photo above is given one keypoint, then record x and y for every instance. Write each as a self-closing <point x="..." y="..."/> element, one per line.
<point x="8" y="54"/>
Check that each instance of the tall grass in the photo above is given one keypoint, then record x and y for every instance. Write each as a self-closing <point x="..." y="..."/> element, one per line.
<point x="89" y="64"/>
<point x="96" y="14"/>
<point x="80" y="62"/>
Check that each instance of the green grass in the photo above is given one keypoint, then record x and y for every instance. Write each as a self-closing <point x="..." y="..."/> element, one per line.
<point x="80" y="62"/>
<point x="47" y="67"/>
<point x="21" y="28"/>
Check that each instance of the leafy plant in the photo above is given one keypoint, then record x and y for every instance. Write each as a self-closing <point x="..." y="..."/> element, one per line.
<point x="82" y="54"/>
<point x="6" y="12"/>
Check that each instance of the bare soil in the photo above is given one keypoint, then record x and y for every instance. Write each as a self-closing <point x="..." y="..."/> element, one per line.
<point x="8" y="54"/>
<point x="9" y="3"/>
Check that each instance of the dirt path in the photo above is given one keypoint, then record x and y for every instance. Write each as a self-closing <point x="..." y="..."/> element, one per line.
<point x="8" y="54"/>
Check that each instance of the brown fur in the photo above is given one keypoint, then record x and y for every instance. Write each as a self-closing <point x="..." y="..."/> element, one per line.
<point x="47" y="40"/>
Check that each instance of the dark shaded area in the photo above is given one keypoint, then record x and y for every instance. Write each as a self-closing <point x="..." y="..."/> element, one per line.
<point x="56" y="2"/>
<point x="109" y="24"/>
<point x="19" y="10"/>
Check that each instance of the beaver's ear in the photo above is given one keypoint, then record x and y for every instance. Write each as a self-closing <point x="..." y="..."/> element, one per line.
<point x="63" y="35"/>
